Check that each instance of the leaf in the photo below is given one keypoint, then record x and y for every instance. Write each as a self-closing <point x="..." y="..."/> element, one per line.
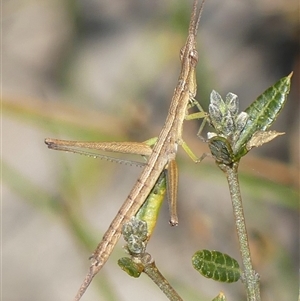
<point x="130" y="267"/>
<point x="216" y="265"/>
<point x="261" y="137"/>
<point x="135" y="227"/>
<point x="240" y="123"/>
<point x="135" y="234"/>
<point x="264" y="111"/>
<point x="223" y="113"/>
<point x="222" y="152"/>
<point x="135" y="245"/>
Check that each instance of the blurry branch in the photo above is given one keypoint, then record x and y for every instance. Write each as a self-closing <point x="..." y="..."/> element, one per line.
<point x="67" y="117"/>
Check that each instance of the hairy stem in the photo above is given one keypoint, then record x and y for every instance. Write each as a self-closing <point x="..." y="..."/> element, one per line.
<point x="152" y="271"/>
<point x="251" y="278"/>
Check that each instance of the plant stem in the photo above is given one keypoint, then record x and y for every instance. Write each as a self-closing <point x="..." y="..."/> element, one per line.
<point x="152" y="271"/>
<point x="251" y="278"/>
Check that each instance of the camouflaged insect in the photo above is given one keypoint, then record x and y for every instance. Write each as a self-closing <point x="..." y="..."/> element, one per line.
<point x="237" y="133"/>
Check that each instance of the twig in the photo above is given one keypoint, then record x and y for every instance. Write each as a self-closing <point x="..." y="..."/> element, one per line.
<point x="152" y="271"/>
<point x="250" y="277"/>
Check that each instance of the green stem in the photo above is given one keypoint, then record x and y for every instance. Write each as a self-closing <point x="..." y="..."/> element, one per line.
<point x="251" y="278"/>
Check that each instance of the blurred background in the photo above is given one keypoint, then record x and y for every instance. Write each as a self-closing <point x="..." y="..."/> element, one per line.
<point x="100" y="70"/>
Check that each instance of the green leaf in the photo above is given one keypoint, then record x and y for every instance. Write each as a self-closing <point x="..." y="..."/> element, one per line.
<point x="135" y="234"/>
<point x="221" y="150"/>
<point x="130" y="267"/>
<point x="264" y="111"/>
<point x="216" y="265"/>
